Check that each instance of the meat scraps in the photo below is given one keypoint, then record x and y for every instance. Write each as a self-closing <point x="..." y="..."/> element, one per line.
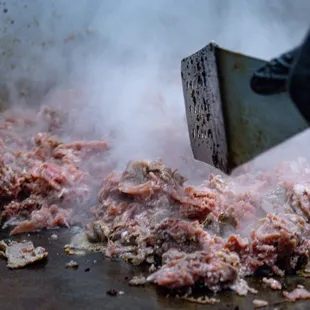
<point x="137" y="280"/>
<point x="259" y="303"/>
<point x="213" y="235"/>
<point x="72" y="264"/>
<point x="215" y="270"/>
<point x="43" y="179"/>
<point x="297" y="294"/>
<point x="273" y="283"/>
<point x="20" y="254"/>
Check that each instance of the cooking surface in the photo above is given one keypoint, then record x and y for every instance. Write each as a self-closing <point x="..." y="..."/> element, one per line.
<point x="52" y="286"/>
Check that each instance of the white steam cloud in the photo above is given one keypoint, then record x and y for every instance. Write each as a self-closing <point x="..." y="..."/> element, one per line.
<point x="128" y="53"/>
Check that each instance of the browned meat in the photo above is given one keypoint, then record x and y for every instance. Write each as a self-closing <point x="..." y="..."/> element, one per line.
<point x="20" y="254"/>
<point x="297" y="294"/>
<point x="274" y="284"/>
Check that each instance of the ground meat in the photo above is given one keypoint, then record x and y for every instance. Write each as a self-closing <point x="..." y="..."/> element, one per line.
<point x="20" y="254"/>
<point x="274" y="284"/>
<point x="297" y="294"/>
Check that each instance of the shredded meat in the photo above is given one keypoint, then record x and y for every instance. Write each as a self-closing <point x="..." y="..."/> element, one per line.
<point x="213" y="235"/>
<point x="44" y="218"/>
<point x="278" y="242"/>
<point x="214" y="270"/>
<point x="197" y="235"/>
<point x="44" y="180"/>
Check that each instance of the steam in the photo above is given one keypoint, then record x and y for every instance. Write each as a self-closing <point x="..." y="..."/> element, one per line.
<point x="125" y="56"/>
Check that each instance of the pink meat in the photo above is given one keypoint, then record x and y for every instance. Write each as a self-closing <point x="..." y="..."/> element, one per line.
<point x="213" y="234"/>
<point x="214" y="269"/>
<point x="43" y="181"/>
<point x="297" y="294"/>
<point x="51" y="217"/>
<point x="274" y="284"/>
<point x="148" y="215"/>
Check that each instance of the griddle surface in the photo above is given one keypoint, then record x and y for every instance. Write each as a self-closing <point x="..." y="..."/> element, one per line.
<point x="50" y="285"/>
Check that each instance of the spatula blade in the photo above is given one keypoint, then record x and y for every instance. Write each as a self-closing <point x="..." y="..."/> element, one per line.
<point x="228" y="123"/>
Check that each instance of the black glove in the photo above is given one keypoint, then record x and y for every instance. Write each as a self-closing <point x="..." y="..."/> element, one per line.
<point x="299" y="79"/>
<point x="290" y="73"/>
<point x="272" y="77"/>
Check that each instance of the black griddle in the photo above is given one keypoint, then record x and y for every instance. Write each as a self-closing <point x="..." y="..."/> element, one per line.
<point x="49" y="285"/>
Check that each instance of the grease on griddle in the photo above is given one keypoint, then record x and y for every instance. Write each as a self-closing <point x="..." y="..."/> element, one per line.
<point x="79" y="245"/>
<point x="204" y="300"/>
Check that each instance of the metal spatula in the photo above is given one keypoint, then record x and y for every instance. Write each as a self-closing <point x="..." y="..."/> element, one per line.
<point x="228" y="123"/>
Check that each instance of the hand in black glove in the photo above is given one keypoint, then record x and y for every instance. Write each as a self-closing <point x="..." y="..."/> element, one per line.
<point x="290" y="73"/>
<point x="299" y="80"/>
<point x="272" y="77"/>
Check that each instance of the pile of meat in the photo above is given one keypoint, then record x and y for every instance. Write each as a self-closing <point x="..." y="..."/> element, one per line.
<point x="42" y="178"/>
<point x="214" y="235"/>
